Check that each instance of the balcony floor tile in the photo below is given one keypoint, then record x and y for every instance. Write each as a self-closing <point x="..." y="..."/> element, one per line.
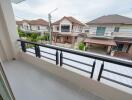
<point x="31" y="83"/>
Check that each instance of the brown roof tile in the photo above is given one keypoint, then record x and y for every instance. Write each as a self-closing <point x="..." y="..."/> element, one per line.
<point x="38" y="22"/>
<point x="111" y="19"/>
<point x="33" y="22"/>
<point x="71" y="19"/>
<point x="100" y="41"/>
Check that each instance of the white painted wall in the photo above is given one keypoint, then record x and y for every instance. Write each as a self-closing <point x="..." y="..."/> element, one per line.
<point x="65" y="22"/>
<point x="55" y="28"/>
<point x="26" y="26"/>
<point x="8" y="32"/>
<point x="76" y="28"/>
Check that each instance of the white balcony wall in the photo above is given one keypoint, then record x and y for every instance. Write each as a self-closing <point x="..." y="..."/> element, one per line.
<point x="77" y="29"/>
<point x="125" y="30"/>
<point x="34" y="27"/>
<point x="8" y="33"/>
<point x="44" y="28"/>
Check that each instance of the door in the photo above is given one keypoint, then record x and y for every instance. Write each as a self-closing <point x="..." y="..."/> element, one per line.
<point x="2" y="53"/>
<point x="5" y="89"/>
<point x="100" y="31"/>
<point x="67" y="39"/>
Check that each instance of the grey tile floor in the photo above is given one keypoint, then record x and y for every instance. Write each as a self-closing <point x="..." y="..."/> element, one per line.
<point x="31" y="83"/>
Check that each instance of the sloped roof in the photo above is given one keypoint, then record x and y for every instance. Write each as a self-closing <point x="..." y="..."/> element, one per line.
<point x="38" y="22"/>
<point x="71" y="19"/>
<point x="111" y="19"/>
<point x="100" y="41"/>
<point x="33" y="22"/>
<point x="19" y="22"/>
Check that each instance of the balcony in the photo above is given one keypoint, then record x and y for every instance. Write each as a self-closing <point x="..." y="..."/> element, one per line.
<point x="47" y="72"/>
<point x="105" y="36"/>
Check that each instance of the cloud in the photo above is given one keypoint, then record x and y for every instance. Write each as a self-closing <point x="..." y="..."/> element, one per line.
<point x="84" y="10"/>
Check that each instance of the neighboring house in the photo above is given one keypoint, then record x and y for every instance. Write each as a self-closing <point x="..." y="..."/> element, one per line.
<point x="86" y="29"/>
<point x="108" y="25"/>
<point x="38" y="25"/>
<point x="66" y="29"/>
<point x="112" y="31"/>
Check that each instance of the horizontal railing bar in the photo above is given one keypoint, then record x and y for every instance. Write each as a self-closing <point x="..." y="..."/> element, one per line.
<point x="30" y="52"/>
<point x="114" y="60"/>
<point x="48" y="58"/>
<point x="31" y="48"/>
<point x="78" y="62"/>
<point x="77" y="68"/>
<point x="47" y="52"/>
<point x="129" y="86"/>
<point x="118" y="73"/>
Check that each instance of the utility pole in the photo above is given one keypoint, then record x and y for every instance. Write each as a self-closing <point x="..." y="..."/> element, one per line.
<point x="50" y="27"/>
<point x="50" y="30"/>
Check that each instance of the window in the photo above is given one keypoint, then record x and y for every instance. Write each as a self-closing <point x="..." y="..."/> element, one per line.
<point x="120" y="47"/>
<point x="57" y="28"/>
<point x="27" y="27"/>
<point x="86" y="31"/>
<point x="100" y="31"/>
<point x="116" y="29"/>
<point x="38" y="27"/>
<point x="65" y="28"/>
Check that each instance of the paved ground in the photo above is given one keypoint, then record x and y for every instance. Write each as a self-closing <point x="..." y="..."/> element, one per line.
<point x="31" y="83"/>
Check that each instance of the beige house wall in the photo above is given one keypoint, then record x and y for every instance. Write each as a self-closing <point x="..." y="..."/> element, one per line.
<point x="130" y="50"/>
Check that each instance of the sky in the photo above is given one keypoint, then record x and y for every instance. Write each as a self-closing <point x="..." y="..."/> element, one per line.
<point x="83" y="10"/>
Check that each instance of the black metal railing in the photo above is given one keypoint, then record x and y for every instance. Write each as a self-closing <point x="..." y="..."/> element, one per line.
<point x="117" y="73"/>
<point x="59" y="60"/>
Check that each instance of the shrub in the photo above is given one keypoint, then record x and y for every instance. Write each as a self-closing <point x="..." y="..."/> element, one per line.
<point x="81" y="46"/>
<point x="21" y="33"/>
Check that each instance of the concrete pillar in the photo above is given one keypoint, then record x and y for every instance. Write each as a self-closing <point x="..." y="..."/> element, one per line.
<point x="8" y="32"/>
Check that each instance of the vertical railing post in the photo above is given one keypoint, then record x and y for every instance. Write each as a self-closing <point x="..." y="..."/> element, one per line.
<point x="94" y="63"/>
<point x="23" y="45"/>
<point x="61" y="58"/>
<point x="57" y="57"/>
<point x="37" y="51"/>
<point x="101" y="70"/>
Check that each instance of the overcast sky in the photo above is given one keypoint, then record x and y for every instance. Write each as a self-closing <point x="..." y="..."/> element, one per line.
<point x="84" y="10"/>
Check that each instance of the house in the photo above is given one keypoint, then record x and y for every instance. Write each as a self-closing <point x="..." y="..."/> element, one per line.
<point x="113" y="31"/>
<point x="38" y="25"/>
<point x="66" y="29"/>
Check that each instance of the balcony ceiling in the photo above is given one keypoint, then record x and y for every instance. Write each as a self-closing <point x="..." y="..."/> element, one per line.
<point x="17" y="1"/>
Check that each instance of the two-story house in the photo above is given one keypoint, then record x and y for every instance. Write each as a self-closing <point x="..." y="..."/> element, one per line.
<point x="112" y="31"/>
<point x="38" y="25"/>
<point x="66" y="29"/>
